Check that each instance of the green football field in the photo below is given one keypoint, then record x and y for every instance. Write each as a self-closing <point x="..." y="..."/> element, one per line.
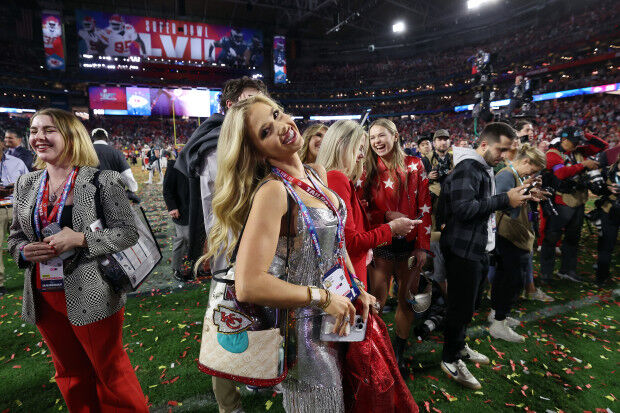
<point x="569" y="361"/>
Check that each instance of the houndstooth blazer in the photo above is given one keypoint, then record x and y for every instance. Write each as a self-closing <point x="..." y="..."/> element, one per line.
<point x="89" y="297"/>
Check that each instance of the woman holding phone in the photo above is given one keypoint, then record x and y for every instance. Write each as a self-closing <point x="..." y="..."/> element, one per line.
<point x="396" y="186"/>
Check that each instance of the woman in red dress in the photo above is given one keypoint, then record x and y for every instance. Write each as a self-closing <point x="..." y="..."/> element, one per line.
<point x="396" y="186"/>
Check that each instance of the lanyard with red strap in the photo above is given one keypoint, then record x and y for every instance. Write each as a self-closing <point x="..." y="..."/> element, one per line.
<point x="41" y="217"/>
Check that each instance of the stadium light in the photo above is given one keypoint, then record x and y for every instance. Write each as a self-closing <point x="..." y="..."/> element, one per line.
<point x="474" y="4"/>
<point x="398" y="27"/>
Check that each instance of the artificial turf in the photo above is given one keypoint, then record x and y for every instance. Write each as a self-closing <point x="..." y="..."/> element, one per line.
<point x="568" y="363"/>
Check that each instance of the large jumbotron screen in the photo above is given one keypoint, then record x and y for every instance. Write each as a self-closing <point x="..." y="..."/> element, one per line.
<point x="114" y="35"/>
<point x="144" y="101"/>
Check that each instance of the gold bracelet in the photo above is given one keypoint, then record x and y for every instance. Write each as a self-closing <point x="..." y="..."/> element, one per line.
<point x="328" y="300"/>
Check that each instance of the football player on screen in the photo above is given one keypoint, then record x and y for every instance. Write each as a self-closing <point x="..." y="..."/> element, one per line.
<point x="234" y="51"/>
<point x="90" y="35"/>
<point x="121" y="38"/>
<point x="256" y="52"/>
<point x="52" y="41"/>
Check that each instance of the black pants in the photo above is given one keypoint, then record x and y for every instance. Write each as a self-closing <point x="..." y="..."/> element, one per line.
<point x="510" y="270"/>
<point x="568" y="222"/>
<point x="606" y="245"/>
<point x="465" y="280"/>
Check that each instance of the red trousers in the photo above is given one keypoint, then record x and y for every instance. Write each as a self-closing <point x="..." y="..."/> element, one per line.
<point x="93" y="371"/>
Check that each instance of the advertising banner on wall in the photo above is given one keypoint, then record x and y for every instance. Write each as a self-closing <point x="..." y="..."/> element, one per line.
<point x="279" y="59"/>
<point x="116" y="35"/>
<point x="53" y="42"/>
<point x="108" y="99"/>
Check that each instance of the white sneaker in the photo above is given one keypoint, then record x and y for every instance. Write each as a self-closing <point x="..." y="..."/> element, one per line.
<point x="500" y="329"/>
<point x="459" y="373"/>
<point x="512" y="322"/>
<point x="474" y="356"/>
<point x="540" y="295"/>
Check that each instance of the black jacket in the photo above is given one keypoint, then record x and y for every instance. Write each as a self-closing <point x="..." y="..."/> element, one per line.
<point x="200" y="144"/>
<point x="176" y="193"/>
<point x="465" y="205"/>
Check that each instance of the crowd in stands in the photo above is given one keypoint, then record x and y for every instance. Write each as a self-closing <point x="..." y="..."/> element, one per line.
<point x="540" y="45"/>
<point x="599" y="114"/>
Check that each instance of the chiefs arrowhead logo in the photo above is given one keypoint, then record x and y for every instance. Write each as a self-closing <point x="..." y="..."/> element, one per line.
<point x="229" y="321"/>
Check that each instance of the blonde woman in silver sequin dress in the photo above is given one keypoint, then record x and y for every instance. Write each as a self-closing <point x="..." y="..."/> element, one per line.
<point x="257" y="135"/>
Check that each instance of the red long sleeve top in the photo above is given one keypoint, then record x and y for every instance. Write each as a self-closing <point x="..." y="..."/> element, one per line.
<point x="358" y="235"/>
<point x="405" y="191"/>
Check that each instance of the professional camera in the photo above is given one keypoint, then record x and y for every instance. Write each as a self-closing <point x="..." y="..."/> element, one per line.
<point x="548" y="207"/>
<point x="442" y="168"/>
<point x="595" y="181"/>
<point x="435" y="315"/>
<point x="482" y="70"/>
<point x="434" y="322"/>
<point x="521" y="97"/>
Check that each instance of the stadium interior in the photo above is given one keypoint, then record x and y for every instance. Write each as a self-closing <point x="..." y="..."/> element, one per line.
<point x="426" y="65"/>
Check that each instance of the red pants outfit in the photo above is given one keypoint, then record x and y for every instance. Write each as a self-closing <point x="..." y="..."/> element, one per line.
<point x="93" y="371"/>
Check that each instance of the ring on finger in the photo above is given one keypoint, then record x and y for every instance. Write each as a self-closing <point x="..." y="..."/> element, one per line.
<point x="346" y="319"/>
<point x="376" y="305"/>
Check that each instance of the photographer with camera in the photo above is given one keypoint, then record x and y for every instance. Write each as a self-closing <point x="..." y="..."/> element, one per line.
<point x="439" y="163"/>
<point x="610" y="221"/>
<point x="566" y="163"/>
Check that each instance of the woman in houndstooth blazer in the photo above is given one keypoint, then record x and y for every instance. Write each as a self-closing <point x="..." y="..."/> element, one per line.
<point x="77" y="312"/>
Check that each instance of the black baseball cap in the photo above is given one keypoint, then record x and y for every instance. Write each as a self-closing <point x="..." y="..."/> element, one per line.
<point x="425" y="137"/>
<point x="573" y="134"/>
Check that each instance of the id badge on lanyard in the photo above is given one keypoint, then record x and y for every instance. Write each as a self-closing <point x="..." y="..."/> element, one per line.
<point x="51" y="274"/>
<point x="336" y="282"/>
<point x="335" y="279"/>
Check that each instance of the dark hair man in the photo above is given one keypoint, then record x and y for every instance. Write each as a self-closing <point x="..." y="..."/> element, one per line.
<point x="112" y="159"/>
<point x="14" y="147"/>
<point x="197" y="159"/>
<point x="567" y="163"/>
<point x="468" y="202"/>
<point x="425" y="147"/>
<point x="176" y="197"/>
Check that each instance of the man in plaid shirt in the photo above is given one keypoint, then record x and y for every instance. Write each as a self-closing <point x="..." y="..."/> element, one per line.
<point x="467" y="204"/>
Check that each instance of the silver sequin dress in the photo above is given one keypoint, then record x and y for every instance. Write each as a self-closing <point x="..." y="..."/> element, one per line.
<point x="314" y="381"/>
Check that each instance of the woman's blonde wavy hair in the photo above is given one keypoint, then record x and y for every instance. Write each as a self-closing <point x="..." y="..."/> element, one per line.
<point x="309" y="133"/>
<point x="240" y="170"/>
<point x="535" y="155"/>
<point x="340" y="144"/>
<point x="398" y="160"/>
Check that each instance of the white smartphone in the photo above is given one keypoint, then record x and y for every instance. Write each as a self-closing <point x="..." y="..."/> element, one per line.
<point x="358" y="330"/>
